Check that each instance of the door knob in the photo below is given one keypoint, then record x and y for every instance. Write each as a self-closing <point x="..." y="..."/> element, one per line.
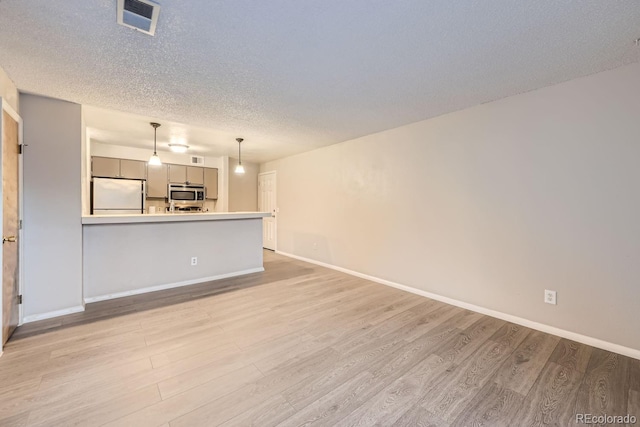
<point x="8" y="239"/>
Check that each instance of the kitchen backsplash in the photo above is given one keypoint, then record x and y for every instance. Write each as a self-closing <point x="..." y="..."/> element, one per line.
<point x="161" y="205"/>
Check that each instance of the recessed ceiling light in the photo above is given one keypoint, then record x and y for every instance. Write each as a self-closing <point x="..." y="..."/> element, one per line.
<point x="141" y="15"/>
<point x="178" y="148"/>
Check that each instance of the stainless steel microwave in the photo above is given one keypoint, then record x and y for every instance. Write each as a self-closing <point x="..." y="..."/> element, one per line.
<point x="184" y="194"/>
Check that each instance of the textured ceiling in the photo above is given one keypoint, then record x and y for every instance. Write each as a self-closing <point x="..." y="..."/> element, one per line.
<point x="291" y="75"/>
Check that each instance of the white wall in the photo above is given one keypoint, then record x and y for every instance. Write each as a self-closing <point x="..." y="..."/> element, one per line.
<point x="123" y="152"/>
<point x="490" y="205"/>
<point x="8" y="90"/>
<point x="243" y="189"/>
<point x="52" y="205"/>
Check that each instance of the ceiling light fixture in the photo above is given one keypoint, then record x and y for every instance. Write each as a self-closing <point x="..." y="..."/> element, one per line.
<point x="155" y="159"/>
<point x="178" y="148"/>
<point x="239" y="168"/>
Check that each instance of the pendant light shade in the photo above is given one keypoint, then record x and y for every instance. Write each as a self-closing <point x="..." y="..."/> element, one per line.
<point x="155" y="159"/>
<point x="239" y="168"/>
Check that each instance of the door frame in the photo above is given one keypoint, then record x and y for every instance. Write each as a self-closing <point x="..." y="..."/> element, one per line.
<point x="275" y="202"/>
<point x="4" y="106"/>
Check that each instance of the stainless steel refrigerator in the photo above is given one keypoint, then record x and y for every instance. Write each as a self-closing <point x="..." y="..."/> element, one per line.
<point x="117" y="196"/>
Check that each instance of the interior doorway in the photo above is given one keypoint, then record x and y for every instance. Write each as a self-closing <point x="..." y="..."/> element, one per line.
<point x="10" y="129"/>
<point x="267" y="203"/>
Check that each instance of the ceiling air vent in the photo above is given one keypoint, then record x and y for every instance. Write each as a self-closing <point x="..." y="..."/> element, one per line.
<point x="197" y="160"/>
<point x="141" y="15"/>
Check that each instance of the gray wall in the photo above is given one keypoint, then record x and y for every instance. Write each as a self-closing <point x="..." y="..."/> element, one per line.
<point x="128" y="258"/>
<point x="52" y="205"/>
<point x="490" y="205"/>
<point x="243" y="189"/>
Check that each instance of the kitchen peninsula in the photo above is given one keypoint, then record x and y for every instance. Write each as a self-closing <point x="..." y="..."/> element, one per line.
<point x="132" y="254"/>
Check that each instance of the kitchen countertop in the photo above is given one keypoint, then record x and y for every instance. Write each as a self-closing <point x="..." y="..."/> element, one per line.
<point x="170" y="217"/>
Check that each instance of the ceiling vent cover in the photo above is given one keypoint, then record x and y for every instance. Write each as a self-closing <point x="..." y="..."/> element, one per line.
<point x="141" y="15"/>
<point x="197" y="160"/>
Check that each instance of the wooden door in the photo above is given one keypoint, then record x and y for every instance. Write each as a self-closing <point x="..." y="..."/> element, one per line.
<point x="10" y="224"/>
<point x="177" y="174"/>
<point x="195" y="175"/>
<point x="211" y="183"/>
<point x="105" y="167"/>
<point x="133" y="169"/>
<point x="267" y="203"/>
<point x="157" y="181"/>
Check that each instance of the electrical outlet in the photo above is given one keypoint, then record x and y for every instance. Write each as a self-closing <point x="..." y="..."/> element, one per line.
<point x="550" y="297"/>
<point x="194" y="260"/>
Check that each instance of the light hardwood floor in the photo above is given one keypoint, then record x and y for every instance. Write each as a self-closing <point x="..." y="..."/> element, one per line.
<point x="301" y="345"/>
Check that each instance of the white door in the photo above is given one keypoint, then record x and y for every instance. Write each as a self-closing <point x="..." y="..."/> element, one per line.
<point x="267" y="203"/>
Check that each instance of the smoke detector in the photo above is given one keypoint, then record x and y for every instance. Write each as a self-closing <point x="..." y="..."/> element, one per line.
<point x="141" y="15"/>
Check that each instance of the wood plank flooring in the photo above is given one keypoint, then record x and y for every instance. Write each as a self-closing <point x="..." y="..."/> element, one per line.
<point x="301" y="345"/>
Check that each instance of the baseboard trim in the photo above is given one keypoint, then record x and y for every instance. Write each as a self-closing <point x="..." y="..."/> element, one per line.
<point x="171" y="285"/>
<point x="51" y="314"/>
<point x="584" y="339"/>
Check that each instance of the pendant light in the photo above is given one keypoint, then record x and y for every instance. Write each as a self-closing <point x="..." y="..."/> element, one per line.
<point x="155" y="160"/>
<point x="239" y="168"/>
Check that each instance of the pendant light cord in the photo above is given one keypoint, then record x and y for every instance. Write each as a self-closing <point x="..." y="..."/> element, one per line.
<point x="239" y="151"/>
<point x="155" y="159"/>
<point x="155" y="139"/>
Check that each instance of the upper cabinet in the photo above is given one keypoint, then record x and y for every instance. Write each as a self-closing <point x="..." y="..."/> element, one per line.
<point x="211" y="183"/>
<point x="107" y="167"/>
<point x="180" y="174"/>
<point x="158" y="177"/>
<point x="157" y="181"/>
<point x="133" y="169"/>
<point x="177" y="174"/>
<point x="195" y="175"/>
